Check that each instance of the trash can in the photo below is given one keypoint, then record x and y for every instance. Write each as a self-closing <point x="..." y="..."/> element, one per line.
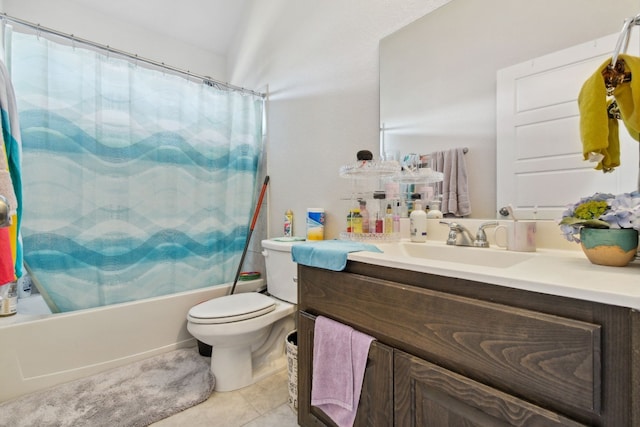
<point x="292" y="368"/>
<point x="204" y="349"/>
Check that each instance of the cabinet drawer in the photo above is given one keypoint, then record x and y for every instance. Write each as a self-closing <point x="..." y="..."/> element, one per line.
<point x="554" y="361"/>
<point x="427" y="395"/>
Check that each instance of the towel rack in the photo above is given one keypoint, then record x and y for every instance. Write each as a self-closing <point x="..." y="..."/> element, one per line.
<point x="614" y="74"/>
<point x="624" y="38"/>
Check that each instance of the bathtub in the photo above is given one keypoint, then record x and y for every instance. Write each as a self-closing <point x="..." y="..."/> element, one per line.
<point x="43" y="351"/>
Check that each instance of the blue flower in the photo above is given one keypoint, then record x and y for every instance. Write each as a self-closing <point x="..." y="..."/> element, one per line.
<point x="622" y="211"/>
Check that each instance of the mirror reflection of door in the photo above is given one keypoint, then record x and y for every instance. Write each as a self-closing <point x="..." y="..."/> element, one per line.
<point x="540" y="165"/>
<point x="438" y="74"/>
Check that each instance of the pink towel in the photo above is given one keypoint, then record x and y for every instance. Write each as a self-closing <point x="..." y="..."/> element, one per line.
<point x="339" y="361"/>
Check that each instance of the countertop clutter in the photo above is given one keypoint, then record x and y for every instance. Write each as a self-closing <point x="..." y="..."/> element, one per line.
<point x="558" y="272"/>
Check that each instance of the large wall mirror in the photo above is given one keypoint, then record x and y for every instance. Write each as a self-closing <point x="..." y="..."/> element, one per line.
<point x="438" y="74"/>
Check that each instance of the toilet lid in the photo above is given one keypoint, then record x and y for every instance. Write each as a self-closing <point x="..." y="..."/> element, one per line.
<point x="232" y="308"/>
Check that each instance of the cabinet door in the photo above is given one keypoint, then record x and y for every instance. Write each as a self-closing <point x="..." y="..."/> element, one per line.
<point x="376" y="404"/>
<point x="427" y="395"/>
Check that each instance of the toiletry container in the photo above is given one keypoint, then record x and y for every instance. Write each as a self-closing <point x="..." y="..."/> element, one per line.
<point x="288" y="223"/>
<point x="418" y="223"/>
<point x="315" y="224"/>
<point x="354" y="221"/>
<point x="388" y="220"/>
<point x="364" y="213"/>
<point x="434" y="212"/>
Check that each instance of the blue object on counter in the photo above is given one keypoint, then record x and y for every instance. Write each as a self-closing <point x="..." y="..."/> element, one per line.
<point x="328" y="254"/>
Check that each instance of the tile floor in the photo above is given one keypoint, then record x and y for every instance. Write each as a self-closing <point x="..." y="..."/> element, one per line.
<point x="263" y="404"/>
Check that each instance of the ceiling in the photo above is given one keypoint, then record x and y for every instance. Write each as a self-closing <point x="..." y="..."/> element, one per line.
<point x="208" y="24"/>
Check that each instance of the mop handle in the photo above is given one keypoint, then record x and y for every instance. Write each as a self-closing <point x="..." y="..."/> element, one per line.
<point x="253" y="224"/>
<point x="255" y="214"/>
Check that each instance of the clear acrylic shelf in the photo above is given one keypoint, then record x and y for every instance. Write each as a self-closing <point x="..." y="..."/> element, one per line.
<point x="370" y="237"/>
<point x="370" y="169"/>
<point x="422" y="176"/>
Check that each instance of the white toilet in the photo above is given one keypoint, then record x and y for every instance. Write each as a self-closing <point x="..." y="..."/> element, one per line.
<point x="247" y="331"/>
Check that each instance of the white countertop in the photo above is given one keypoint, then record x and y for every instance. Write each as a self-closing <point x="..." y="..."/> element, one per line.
<point x="550" y="271"/>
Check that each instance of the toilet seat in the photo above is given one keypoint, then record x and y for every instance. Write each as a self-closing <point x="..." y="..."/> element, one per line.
<point x="231" y="308"/>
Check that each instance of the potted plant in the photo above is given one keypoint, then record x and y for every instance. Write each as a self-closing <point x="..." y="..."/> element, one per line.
<point x="606" y="226"/>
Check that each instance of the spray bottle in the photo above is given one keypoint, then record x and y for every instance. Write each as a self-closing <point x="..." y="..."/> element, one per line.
<point x="288" y="223"/>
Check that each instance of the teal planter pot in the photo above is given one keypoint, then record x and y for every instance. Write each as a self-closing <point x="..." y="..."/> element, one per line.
<point x="612" y="247"/>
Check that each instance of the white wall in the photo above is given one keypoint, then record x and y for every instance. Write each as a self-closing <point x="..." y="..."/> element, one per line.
<point x="320" y="60"/>
<point x="74" y="18"/>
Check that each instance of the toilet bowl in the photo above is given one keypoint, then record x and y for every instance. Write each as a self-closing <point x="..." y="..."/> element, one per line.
<point x="247" y="331"/>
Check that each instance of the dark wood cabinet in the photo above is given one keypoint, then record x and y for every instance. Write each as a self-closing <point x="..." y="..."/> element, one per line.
<point x="430" y="396"/>
<point x="376" y="401"/>
<point x="453" y="352"/>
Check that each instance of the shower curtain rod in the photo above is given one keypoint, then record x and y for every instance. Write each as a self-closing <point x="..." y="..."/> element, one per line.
<point x="205" y="79"/>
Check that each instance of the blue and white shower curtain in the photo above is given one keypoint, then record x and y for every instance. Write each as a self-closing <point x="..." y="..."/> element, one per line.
<point x="136" y="183"/>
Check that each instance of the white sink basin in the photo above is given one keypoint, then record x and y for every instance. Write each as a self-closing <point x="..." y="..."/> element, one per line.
<point x="486" y="257"/>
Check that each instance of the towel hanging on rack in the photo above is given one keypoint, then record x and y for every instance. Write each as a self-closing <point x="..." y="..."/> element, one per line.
<point x="454" y="188"/>
<point x="599" y="129"/>
<point x="609" y="95"/>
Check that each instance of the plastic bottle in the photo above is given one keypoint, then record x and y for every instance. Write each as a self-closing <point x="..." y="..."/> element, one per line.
<point x="379" y="224"/>
<point x="403" y="211"/>
<point x="411" y="203"/>
<point x="435" y="212"/>
<point x="364" y="213"/>
<point x="396" y="218"/>
<point x="388" y="220"/>
<point x="418" y="223"/>
<point x="356" y="221"/>
<point x="9" y="299"/>
<point x="288" y="223"/>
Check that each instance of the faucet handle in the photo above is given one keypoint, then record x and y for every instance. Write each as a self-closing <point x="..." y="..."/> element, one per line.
<point x="452" y="225"/>
<point x="452" y="238"/>
<point x="481" y="236"/>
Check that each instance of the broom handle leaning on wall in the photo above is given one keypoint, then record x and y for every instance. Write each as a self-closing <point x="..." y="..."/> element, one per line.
<point x="253" y="224"/>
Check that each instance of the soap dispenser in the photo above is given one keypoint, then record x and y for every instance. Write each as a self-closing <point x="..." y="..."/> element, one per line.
<point x="434" y="212"/>
<point x="418" y="223"/>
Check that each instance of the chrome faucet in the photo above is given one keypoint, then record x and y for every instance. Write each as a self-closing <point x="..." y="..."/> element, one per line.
<point x="481" y="236"/>
<point x="459" y="235"/>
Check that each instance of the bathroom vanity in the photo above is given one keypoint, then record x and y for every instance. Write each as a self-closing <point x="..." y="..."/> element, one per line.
<point x="454" y="351"/>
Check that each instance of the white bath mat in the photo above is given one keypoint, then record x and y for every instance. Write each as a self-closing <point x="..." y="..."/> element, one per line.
<point x="134" y="395"/>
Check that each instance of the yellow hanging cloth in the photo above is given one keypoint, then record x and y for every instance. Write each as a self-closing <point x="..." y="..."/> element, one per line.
<point x="598" y="131"/>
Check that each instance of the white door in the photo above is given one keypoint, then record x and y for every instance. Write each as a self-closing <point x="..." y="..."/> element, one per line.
<point x="540" y="168"/>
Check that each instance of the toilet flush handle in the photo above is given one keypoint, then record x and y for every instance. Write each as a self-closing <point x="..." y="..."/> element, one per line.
<point x="265" y="253"/>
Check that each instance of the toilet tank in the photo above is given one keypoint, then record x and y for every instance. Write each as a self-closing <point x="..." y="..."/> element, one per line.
<point x="282" y="272"/>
